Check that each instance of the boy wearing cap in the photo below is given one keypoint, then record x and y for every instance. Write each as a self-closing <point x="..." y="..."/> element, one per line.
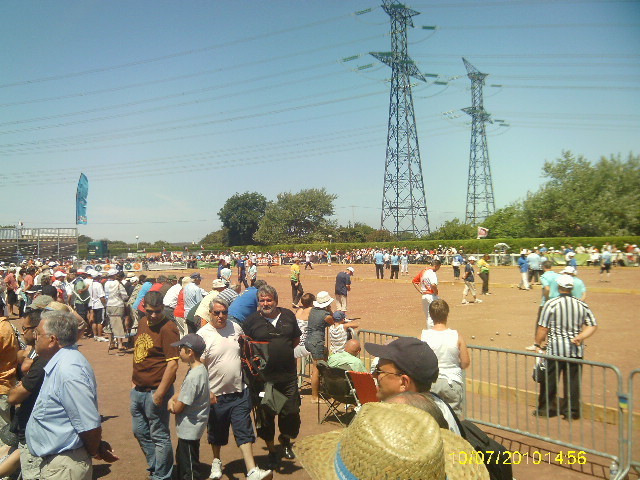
<point x="190" y="406"/>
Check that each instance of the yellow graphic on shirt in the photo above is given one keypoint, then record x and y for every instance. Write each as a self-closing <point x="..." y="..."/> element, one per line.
<point x="144" y="343"/>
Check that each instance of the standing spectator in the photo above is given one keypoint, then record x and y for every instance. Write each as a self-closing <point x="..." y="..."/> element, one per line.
<point x="455" y="263"/>
<point x="278" y="327"/>
<point x="395" y="264"/>
<point x="11" y="284"/>
<point x="193" y="295"/>
<point x="231" y="399"/>
<point x="549" y="291"/>
<point x="191" y="406"/>
<point x="253" y="272"/>
<point x="302" y="317"/>
<point x="523" y="266"/>
<point x="242" y="271"/>
<point x="426" y="282"/>
<point x="378" y="259"/>
<point x="606" y="264"/>
<point x="65" y="426"/>
<point x="8" y="364"/>
<point x="453" y="356"/>
<point x="483" y="266"/>
<point x="565" y="322"/>
<point x="170" y="299"/>
<point x="533" y="259"/>
<point x="116" y="298"/>
<point x="343" y="287"/>
<point x="241" y="306"/>
<point x="97" y="303"/>
<point x="296" y="284"/>
<point x="179" y="313"/>
<point x="404" y="263"/>
<point x="155" y="363"/>
<point x="320" y="318"/>
<point x="469" y="281"/>
<point x="307" y="260"/>
<point x="81" y="298"/>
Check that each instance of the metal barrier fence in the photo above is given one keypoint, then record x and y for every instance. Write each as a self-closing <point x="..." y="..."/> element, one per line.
<point x="500" y="392"/>
<point x="633" y="429"/>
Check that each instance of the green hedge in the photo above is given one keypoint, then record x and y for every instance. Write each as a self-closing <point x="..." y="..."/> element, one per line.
<point x="476" y="246"/>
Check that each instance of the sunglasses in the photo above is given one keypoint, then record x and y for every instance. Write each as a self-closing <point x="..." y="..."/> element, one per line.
<point x="221" y="312"/>
<point x="377" y="372"/>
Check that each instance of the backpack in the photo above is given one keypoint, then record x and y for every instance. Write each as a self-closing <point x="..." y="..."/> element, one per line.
<point x="494" y="454"/>
<point x="254" y="356"/>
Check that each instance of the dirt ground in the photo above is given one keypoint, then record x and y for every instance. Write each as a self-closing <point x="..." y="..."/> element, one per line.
<point x="391" y="306"/>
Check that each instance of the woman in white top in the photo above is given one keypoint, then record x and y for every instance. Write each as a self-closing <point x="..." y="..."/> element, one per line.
<point x="302" y="316"/>
<point x="452" y="353"/>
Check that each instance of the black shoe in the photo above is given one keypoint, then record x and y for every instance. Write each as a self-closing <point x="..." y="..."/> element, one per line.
<point x="287" y="452"/>
<point x="573" y="416"/>
<point x="544" y="413"/>
<point x="273" y="461"/>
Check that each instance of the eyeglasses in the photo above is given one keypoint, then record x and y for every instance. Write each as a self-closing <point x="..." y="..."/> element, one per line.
<point x="221" y="312"/>
<point x="377" y="372"/>
<point x="26" y="329"/>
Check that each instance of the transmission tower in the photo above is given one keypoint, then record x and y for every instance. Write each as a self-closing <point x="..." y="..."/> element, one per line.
<point x="480" y="202"/>
<point x="404" y="208"/>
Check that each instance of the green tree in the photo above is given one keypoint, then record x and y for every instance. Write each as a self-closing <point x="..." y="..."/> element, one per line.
<point x="84" y="239"/>
<point x="297" y="217"/>
<point x="507" y="222"/>
<point x="454" y="230"/>
<point x="241" y="215"/>
<point x="219" y="237"/>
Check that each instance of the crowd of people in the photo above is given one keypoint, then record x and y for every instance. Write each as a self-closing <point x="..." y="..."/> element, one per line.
<point x="167" y="320"/>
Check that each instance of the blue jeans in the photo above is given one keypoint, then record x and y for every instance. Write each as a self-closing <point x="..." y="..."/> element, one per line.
<point x="151" y="429"/>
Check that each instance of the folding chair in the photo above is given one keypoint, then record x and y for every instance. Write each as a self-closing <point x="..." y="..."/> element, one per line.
<point x="334" y="391"/>
<point x="363" y="387"/>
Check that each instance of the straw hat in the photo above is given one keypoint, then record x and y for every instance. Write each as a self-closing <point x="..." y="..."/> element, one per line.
<point x="389" y="441"/>
<point x="323" y="299"/>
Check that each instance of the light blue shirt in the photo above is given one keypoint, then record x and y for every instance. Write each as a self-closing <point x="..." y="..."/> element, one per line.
<point x="578" y="289"/>
<point x="549" y="279"/>
<point x="146" y="286"/>
<point x="378" y="258"/>
<point x="534" y="261"/>
<point x="67" y="405"/>
<point x="395" y="260"/>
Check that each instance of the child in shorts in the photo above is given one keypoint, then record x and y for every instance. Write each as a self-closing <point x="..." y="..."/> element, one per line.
<point x="191" y="406"/>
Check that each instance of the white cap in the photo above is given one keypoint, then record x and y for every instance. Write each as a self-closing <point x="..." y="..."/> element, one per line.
<point x="351" y="269"/>
<point x="112" y="272"/>
<point x="565" y="281"/>
<point x="80" y="270"/>
<point x="95" y="273"/>
<point x="472" y="258"/>
<point x="59" y="274"/>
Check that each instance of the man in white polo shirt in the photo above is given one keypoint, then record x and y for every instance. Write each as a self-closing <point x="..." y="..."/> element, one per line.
<point x="231" y="400"/>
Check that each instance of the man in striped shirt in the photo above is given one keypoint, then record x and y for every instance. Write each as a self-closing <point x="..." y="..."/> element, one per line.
<point x="565" y="322"/>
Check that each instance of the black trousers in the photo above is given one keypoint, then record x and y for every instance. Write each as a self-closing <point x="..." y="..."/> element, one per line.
<point x="571" y="379"/>
<point x="188" y="459"/>
<point x="296" y="291"/>
<point x="288" y="418"/>
<point x="485" y="281"/>
<point x="379" y="270"/>
<point x="394" y="271"/>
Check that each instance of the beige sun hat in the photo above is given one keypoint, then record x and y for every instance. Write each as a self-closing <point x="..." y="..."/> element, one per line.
<point x="323" y="299"/>
<point x="389" y="441"/>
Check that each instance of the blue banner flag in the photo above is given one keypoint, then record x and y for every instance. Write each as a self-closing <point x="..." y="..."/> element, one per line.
<point x="81" y="200"/>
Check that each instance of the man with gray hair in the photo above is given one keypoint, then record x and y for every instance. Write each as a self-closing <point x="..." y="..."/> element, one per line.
<point x="231" y="399"/>
<point x="65" y="426"/>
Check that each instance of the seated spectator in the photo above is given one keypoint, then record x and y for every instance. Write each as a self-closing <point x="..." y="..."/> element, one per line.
<point x="452" y="353"/>
<point x="339" y="332"/>
<point x="348" y="358"/>
<point x="383" y="437"/>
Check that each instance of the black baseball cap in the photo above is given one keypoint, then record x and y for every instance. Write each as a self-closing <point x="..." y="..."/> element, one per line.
<point x="192" y="340"/>
<point x="414" y="357"/>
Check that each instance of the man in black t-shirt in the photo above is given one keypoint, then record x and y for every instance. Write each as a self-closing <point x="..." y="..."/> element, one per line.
<point x="25" y="393"/>
<point x="279" y="327"/>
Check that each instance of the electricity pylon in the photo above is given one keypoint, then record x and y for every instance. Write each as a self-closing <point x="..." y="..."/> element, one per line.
<point x="404" y="207"/>
<point x="480" y="202"/>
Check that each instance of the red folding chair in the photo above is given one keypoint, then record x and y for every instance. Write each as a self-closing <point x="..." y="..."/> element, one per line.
<point x="363" y="387"/>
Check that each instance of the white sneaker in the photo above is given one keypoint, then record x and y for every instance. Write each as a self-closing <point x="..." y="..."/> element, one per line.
<point x="464" y="302"/>
<point x="258" y="474"/>
<point x="216" y="469"/>
<point x="531" y="348"/>
<point x="477" y="301"/>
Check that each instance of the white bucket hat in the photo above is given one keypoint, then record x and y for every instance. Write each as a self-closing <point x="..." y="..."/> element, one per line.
<point x="323" y="299"/>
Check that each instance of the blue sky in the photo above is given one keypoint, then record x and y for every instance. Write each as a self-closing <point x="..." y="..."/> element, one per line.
<point x="171" y="107"/>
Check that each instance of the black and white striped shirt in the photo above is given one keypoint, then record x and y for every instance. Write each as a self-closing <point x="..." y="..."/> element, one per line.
<point x="565" y="316"/>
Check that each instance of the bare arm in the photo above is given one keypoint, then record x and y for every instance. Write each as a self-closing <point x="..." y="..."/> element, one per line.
<point x="465" y="359"/>
<point x="18" y="394"/>
<point x="167" y="380"/>
<point x="541" y="334"/>
<point x="586" y="333"/>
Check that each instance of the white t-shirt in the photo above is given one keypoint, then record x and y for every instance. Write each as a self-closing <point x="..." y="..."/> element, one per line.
<point x="96" y="292"/>
<point x="428" y="278"/>
<point x="222" y="358"/>
<point x="115" y="293"/>
<point x="171" y="297"/>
